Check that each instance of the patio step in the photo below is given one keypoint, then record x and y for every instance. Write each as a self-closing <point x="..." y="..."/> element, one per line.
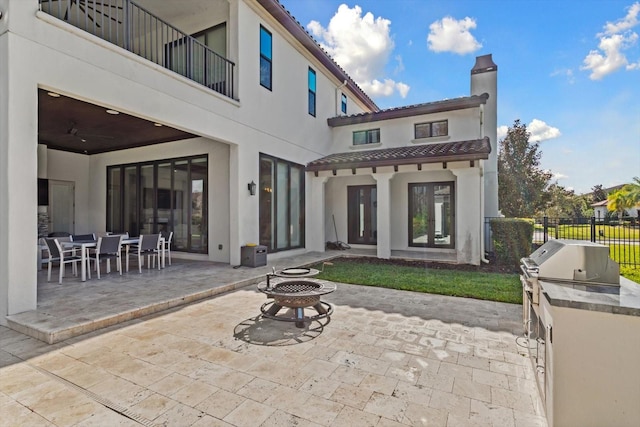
<point x="47" y="328"/>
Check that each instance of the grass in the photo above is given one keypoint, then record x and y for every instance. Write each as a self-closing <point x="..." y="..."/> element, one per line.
<point x="630" y="272"/>
<point x="501" y="287"/>
<point x="583" y="231"/>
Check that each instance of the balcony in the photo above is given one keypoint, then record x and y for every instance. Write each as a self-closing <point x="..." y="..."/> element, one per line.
<point x="131" y="27"/>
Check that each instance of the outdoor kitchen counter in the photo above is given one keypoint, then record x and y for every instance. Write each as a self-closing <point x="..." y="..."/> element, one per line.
<point x="605" y="298"/>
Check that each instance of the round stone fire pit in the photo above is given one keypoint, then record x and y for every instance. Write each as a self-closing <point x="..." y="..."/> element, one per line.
<point x="297" y="294"/>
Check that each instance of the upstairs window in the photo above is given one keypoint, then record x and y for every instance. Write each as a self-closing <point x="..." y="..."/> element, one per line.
<point x="312" y="92"/>
<point x="363" y="137"/>
<point x="343" y="104"/>
<point x="265" y="58"/>
<point x="431" y="129"/>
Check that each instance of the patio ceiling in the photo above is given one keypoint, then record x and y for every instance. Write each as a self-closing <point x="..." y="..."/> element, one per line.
<point x="69" y="124"/>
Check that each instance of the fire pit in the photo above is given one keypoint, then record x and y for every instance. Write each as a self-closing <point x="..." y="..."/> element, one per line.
<point x="297" y="272"/>
<point x="296" y="293"/>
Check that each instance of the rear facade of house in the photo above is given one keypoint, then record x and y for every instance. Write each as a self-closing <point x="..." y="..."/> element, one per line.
<point x="224" y="122"/>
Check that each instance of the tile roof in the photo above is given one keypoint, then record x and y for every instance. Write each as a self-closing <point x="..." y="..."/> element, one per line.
<point x="416" y="154"/>
<point x="454" y="104"/>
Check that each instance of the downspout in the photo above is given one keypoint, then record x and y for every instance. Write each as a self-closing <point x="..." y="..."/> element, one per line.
<point x="482" y="219"/>
<point x="337" y="90"/>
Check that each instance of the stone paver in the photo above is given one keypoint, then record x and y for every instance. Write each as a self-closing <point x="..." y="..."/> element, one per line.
<point x="386" y="358"/>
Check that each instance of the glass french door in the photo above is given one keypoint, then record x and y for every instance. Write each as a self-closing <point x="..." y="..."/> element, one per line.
<point x="166" y="195"/>
<point x="362" y="215"/>
<point x="431" y="215"/>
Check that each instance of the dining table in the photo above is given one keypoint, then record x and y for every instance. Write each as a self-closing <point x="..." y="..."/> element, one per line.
<point x="85" y="245"/>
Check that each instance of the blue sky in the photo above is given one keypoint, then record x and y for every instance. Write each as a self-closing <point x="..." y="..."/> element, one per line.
<point x="569" y="70"/>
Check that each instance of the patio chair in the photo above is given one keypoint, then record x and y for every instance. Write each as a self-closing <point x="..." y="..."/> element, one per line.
<point x="148" y="245"/>
<point x="124" y="234"/>
<point x="108" y="247"/>
<point x="168" y="236"/>
<point x="62" y="257"/>
<point x="83" y="237"/>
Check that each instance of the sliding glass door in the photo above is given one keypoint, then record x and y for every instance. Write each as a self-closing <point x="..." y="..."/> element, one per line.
<point x="281" y="191"/>
<point x="166" y="195"/>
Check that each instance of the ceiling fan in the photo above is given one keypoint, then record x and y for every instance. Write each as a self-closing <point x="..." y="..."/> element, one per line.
<point x="84" y="137"/>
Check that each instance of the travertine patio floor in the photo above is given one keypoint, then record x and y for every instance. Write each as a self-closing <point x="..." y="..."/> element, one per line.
<point x="386" y="358"/>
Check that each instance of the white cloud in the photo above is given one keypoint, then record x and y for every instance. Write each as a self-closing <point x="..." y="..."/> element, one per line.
<point x="626" y="23"/>
<point x="610" y="57"/>
<point x="449" y="35"/>
<point x="568" y="73"/>
<point x="540" y="131"/>
<point x="559" y="175"/>
<point x="362" y="45"/>
<point x="502" y="132"/>
<point x="616" y="38"/>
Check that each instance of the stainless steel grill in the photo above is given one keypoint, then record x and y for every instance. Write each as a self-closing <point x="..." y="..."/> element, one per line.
<point x="571" y="261"/>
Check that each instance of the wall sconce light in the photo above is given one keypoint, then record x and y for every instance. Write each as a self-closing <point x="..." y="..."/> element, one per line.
<point x="252" y="188"/>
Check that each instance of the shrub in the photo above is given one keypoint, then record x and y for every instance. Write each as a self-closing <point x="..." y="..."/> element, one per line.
<point x="512" y="239"/>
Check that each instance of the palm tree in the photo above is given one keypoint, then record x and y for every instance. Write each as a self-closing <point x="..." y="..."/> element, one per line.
<point x="625" y="198"/>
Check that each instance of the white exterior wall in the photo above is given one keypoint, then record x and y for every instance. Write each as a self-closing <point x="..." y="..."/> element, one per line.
<point x="487" y="82"/>
<point x="468" y="217"/>
<point x="43" y="52"/>
<point x="463" y="125"/>
<point x="40" y="51"/>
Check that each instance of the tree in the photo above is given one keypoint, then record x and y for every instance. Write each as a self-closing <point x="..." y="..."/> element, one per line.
<point x="563" y="203"/>
<point x="521" y="182"/>
<point x="625" y="198"/>
<point x="598" y="194"/>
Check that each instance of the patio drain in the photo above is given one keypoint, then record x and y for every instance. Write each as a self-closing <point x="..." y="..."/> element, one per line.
<point x="99" y="399"/>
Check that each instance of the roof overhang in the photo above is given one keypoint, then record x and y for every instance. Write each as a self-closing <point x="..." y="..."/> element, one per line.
<point x="477" y="149"/>
<point x="411" y="110"/>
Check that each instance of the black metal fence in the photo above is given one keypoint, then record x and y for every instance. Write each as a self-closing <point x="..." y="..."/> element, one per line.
<point x="621" y="235"/>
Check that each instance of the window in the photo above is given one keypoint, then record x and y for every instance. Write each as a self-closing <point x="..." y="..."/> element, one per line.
<point x="281" y="191"/>
<point x="428" y="130"/>
<point x="431" y="215"/>
<point x="343" y="104"/>
<point x="165" y="195"/>
<point x="265" y="58"/>
<point x="362" y="137"/>
<point x="312" y="92"/>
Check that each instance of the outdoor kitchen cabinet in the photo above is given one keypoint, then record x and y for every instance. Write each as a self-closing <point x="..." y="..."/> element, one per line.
<point x="582" y="321"/>
<point x="591" y="361"/>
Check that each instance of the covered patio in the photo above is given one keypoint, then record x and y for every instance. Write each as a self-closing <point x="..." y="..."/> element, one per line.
<point x="75" y="308"/>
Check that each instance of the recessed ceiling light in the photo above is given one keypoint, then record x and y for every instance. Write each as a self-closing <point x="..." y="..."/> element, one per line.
<point x="157" y="124"/>
<point x="53" y="94"/>
<point x="113" y="112"/>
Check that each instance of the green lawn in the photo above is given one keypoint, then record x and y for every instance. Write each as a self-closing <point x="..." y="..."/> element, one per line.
<point x="501" y="287"/>
<point x="583" y="232"/>
<point x="472" y="284"/>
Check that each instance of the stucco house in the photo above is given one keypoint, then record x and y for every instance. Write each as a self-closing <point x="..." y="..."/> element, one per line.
<point x="600" y="211"/>
<point x="224" y="122"/>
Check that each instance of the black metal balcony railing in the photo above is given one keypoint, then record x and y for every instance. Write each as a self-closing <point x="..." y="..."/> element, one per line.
<point x="125" y="24"/>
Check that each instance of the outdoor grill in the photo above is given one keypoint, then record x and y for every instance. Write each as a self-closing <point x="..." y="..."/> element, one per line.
<point x="570" y="262"/>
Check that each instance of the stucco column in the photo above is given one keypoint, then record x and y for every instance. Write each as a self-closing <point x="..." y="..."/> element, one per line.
<point x="18" y="181"/>
<point x="469" y="215"/>
<point x="383" y="182"/>
<point x="315" y="222"/>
